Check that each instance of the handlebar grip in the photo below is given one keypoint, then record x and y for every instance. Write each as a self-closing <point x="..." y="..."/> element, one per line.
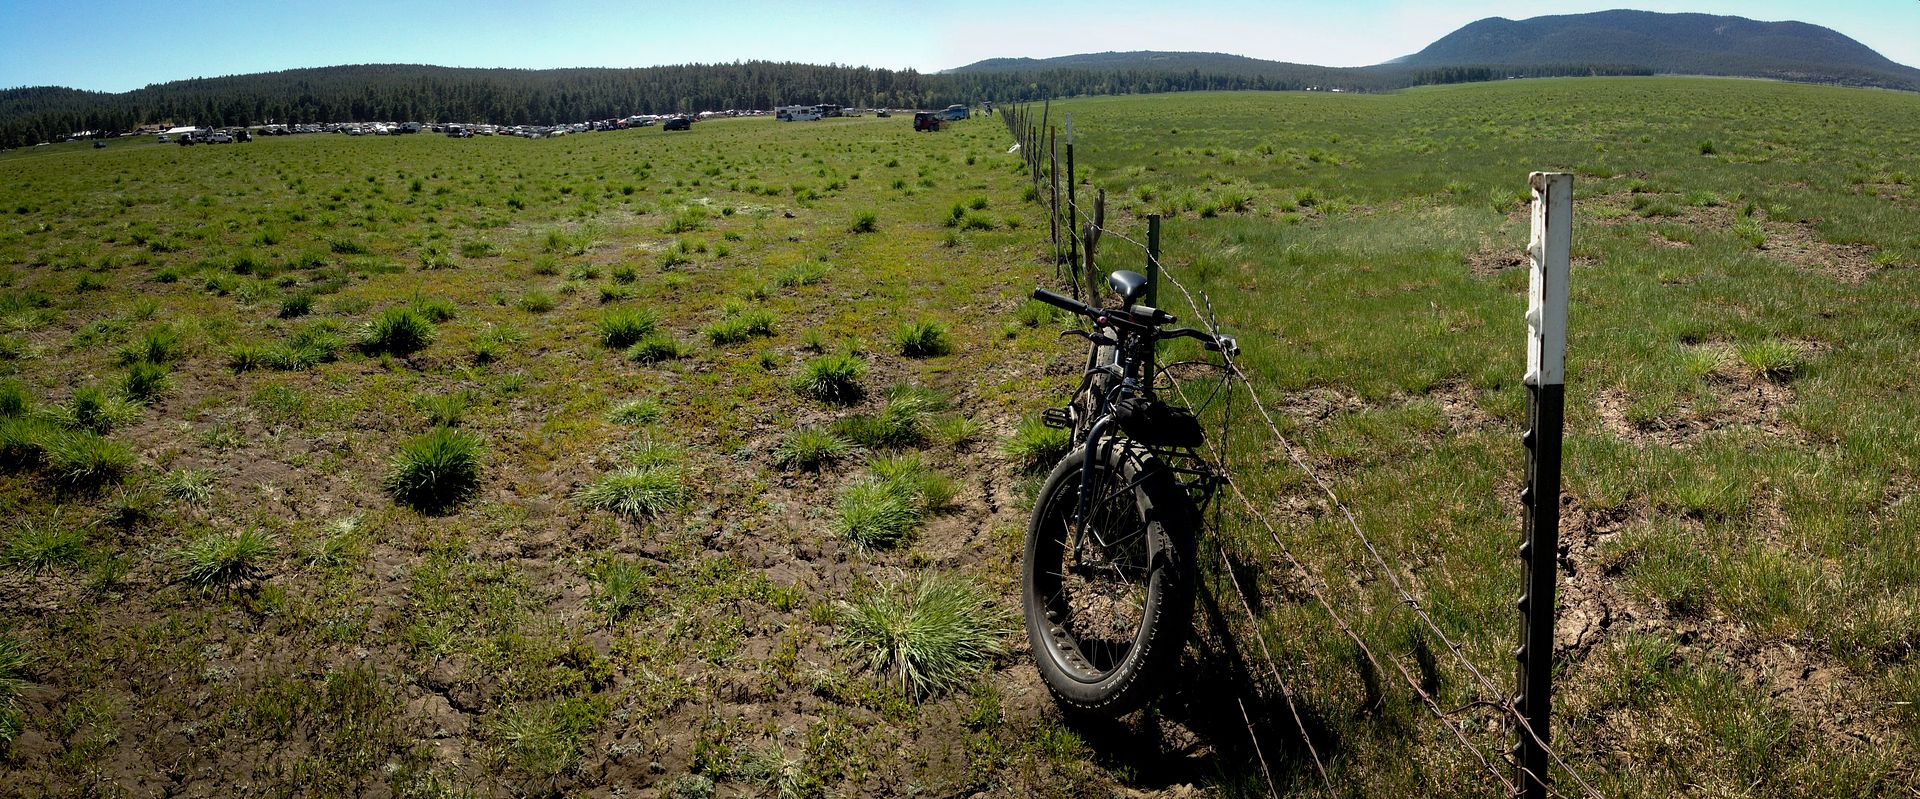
<point x="1062" y="301"/>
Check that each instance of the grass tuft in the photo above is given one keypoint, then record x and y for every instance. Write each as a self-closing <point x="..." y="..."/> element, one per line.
<point x="636" y="492"/>
<point x="38" y="546"/>
<point x="832" y="378"/>
<point x="435" y="471"/>
<point x="623" y="327"/>
<point x="923" y="339"/>
<point x="1034" y="447"/>
<point x="218" y="560"/>
<point x="737" y="327"/>
<point x="636" y="412"/>
<point x="658" y="347"/>
<point x="1771" y="359"/>
<point x="810" y="448"/>
<point x="79" y="460"/>
<point x="191" y="486"/>
<point x="397" y="331"/>
<point x="928" y="638"/>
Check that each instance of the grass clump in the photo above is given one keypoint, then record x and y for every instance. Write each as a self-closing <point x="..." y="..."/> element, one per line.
<point x="865" y="222"/>
<point x="435" y="471"/>
<point x="536" y="302"/>
<point x="810" y="448"/>
<point x="23" y="441"/>
<point x="160" y="345"/>
<point x="739" y="326"/>
<point x="13" y="665"/>
<point x="144" y="381"/>
<point x="14" y="400"/>
<point x="923" y="339"/>
<point x="623" y="327"/>
<point x="94" y="410"/>
<point x="622" y="587"/>
<point x="637" y="491"/>
<point x="1034" y="446"/>
<point x="906" y="419"/>
<point x="444" y="410"/>
<point x="191" y="486"/>
<point x="658" y="347"/>
<point x="883" y="510"/>
<point x="80" y="460"/>
<point x="802" y="275"/>
<point x="832" y="378"/>
<point x="636" y="412"/>
<point x="218" y="560"/>
<point x="927" y="638"/>
<point x="1772" y="359"/>
<point x="397" y="331"/>
<point x="36" y="547"/>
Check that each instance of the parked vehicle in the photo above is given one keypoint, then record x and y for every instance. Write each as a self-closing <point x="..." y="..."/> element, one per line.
<point x="925" y="120"/>
<point x="954" y="113"/>
<point x="163" y="139"/>
<point x="678" y="123"/>
<point x="883" y="113"/>
<point x="99" y="145"/>
<point x="220" y="137"/>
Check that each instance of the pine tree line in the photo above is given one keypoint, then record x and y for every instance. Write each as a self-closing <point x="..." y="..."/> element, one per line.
<point x="405" y="92"/>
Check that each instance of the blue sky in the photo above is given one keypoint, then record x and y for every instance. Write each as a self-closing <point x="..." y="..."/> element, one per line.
<point x="116" y="45"/>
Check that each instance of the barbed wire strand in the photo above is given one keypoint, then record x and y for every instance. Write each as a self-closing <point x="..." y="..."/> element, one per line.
<point x="1293" y="453"/>
<point x="1286" y="690"/>
<point x="1340" y="621"/>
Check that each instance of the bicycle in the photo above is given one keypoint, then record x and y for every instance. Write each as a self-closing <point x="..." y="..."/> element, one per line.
<point x="1107" y="578"/>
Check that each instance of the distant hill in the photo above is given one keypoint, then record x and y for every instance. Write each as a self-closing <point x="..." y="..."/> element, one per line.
<point x="1698" y="44"/>
<point x="1153" y="61"/>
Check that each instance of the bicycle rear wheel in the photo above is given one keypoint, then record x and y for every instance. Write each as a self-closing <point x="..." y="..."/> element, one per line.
<point x="1108" y="615"/>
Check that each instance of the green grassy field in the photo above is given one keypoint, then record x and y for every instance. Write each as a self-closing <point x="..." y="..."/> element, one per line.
<point x="430" y="467"/>
<point x="1739" y="610"/>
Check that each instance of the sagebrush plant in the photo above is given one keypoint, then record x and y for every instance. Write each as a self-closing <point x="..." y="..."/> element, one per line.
<point x="620" y="328"/>
<point x="926" y="638"/>
<point x="397" y="331"/>
<point x="217" y="560"/>
<point x="435" y="471"/>
<point x="1034" y="447"/>
<point x="810" y="448"/>
<point x="923" y="339"/>
<point x="832" y="378"/>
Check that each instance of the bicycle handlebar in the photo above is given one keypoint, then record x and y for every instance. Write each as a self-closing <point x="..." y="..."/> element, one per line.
<point x="1140" y="316"/>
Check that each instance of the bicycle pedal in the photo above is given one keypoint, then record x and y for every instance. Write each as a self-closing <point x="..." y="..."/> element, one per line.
<point x="1057" y="417"/>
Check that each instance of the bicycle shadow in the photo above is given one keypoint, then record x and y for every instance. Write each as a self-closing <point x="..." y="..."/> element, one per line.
<point x="1204" y="729"/>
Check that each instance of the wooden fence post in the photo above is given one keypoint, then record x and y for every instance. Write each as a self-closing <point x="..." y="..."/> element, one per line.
<point x="1540" y="525"/>
<point x="1073" y="214"/>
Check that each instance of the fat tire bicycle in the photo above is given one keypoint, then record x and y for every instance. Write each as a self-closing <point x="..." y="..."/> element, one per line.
<point x="1107" y="578"/>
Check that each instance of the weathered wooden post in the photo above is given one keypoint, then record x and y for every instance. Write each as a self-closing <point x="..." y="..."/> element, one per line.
<point x="1094" y="227"/>
<point x="1540" y="499"/>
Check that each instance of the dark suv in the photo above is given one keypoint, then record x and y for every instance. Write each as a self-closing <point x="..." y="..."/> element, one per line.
<point x="678" y="123"/>
<point x="925" y="120"/>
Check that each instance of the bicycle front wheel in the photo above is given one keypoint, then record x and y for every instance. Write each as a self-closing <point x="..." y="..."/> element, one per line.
<point x="1108" y="604"/>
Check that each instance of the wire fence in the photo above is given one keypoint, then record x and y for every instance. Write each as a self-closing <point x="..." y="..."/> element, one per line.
<point x="1077" y="234"/>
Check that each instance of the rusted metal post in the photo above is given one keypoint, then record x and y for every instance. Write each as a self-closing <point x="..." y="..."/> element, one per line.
<point x="1153" y="260"/>
<point x="1053" y="195"/>
<point x="1073" y="214"/>
<point x="1540" y="525"/>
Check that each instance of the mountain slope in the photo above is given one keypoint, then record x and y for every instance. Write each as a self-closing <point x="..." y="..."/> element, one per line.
<point x="1678" y="43"/>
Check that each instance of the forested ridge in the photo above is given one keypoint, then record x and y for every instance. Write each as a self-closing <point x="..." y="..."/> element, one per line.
<point x="410" y="92"/>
